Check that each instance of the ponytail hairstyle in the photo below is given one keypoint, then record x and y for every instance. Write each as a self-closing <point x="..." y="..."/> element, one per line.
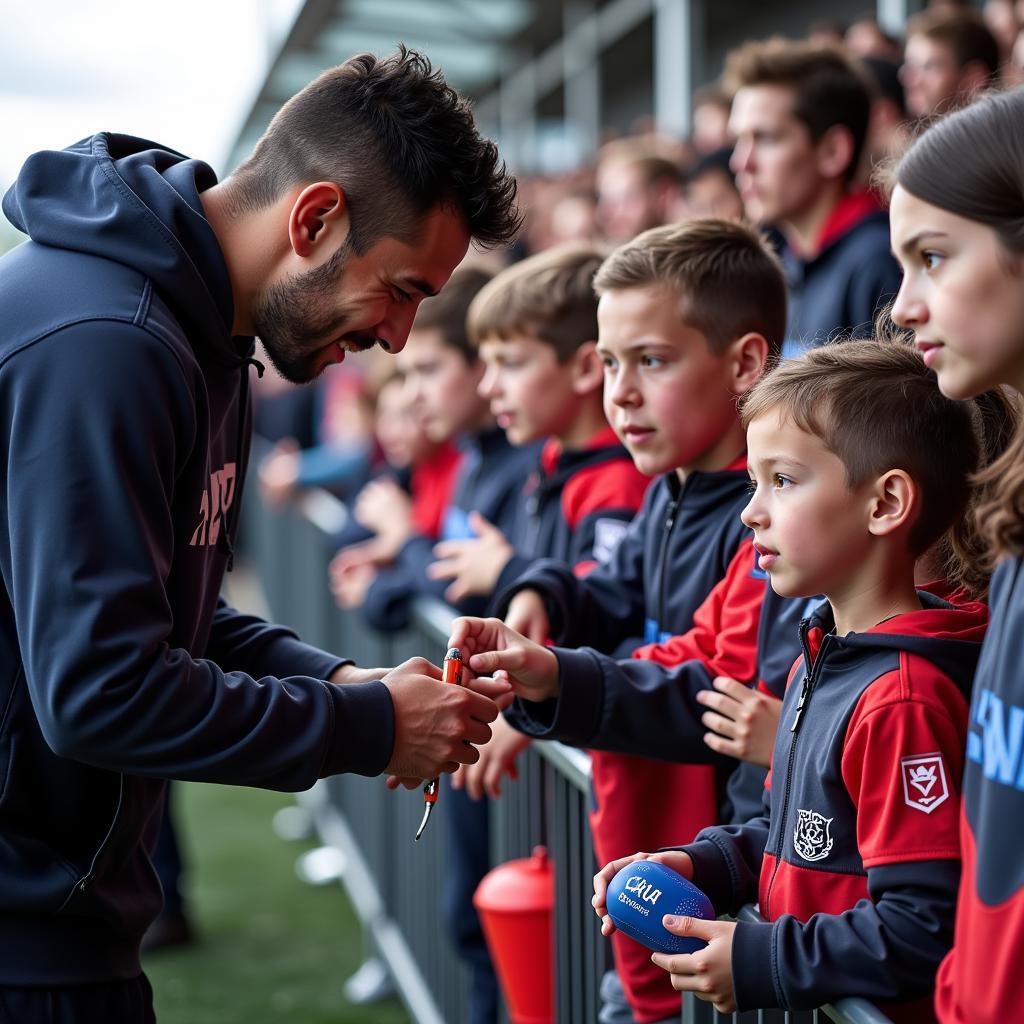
<point x="971" y="164"/>
<point x="876" y="406"/>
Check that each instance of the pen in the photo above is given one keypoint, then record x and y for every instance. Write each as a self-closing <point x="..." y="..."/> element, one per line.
<point x="451" y="672"/>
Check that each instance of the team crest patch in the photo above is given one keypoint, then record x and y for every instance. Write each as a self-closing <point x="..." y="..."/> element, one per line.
<point x="924" y="782"/>
<point x="607" y="534"/>
<point x="812" y="838"/>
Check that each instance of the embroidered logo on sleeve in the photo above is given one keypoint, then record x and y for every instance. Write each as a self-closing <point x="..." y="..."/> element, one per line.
<point x="924" y="782"/>
<point x="607" y="534"/>
<point x="812" y="838"/>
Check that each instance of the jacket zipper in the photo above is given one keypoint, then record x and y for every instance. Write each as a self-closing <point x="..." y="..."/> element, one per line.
<point x="670" y="519"/>
<point x="806" y="688"/>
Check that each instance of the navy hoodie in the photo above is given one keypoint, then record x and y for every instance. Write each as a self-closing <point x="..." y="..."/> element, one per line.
<point x="125" y="430"/>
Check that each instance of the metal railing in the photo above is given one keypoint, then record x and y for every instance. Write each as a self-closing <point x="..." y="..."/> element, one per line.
<point x="395" y="885"/>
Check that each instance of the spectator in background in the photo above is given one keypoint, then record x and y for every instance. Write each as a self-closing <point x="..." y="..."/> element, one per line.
<point x="949" y="57"/>
<point x="887" y="128"/>
<point x="341" y="456"/>
<point x="711" y="106"/>
<point x="800" y="115"/>
<point x="1013" y="72"/>
<point x="709" y="188"/>
<point x="866" y="38"/>
<point x="574" y="217"/>
<point x="827" y="32"/>
<point x="1000" y="18"/>
<point x="415" y="484"/>
<point x="636" y="189"/>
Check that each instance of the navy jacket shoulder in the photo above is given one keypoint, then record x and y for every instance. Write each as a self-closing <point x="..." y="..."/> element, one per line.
<point x="842" y="289"/>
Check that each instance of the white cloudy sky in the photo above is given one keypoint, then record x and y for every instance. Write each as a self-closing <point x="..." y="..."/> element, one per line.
<point x="182" y="72"/>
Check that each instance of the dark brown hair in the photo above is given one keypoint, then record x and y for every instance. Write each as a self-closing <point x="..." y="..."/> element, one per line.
<point x="728" y="279"/>
<point x="971" y="163"/>
<point x="397" y="139"/>
<point x="828" y="88"/>
<point x="876" y="406"/>
<point x="549" y="296"/>
<point x="448" y="311"/>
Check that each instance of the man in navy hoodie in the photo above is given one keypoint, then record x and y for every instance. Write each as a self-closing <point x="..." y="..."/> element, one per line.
<point x="800" y="116"/>
<point x="128" y="323"/>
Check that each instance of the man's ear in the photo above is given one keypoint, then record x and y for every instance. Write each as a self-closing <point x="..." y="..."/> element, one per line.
<point x="749" y="361"/>
<point x="319" y="213"/>
<point x="835" y="152"/>
<point x="587" y="369"/>
<point x="893" y="503"/>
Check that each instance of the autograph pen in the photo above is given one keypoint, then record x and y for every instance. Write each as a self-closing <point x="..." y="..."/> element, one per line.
<point x="451" y="672"/>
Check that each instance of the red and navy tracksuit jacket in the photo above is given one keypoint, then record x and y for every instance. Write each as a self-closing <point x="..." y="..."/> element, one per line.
<point x="576" y="506"/>
<point x="489" y="481"/>
<point x="646" y="705"/>
<point x="856" y="859"/>
<point x="982" y="979"/>
<point x="685" y="539"/>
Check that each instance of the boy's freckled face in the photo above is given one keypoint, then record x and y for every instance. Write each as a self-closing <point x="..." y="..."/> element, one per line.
<point x="810" y="528"/>
<point x="665" y="392"/>
<point x="441" y="385"/>
<point x="530" y="393"/>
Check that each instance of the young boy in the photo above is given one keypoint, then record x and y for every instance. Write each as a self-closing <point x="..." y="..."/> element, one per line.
<point x="442" y="373"/>
<point x="535" y="327"/>
<point x="689" y="316"/>
<point x="856" y="858"/>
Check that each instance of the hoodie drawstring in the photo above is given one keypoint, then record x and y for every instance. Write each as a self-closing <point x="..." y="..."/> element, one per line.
<point x="224" y="540"/>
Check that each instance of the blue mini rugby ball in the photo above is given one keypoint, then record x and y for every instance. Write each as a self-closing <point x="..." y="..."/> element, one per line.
<point x="643" y="892"/>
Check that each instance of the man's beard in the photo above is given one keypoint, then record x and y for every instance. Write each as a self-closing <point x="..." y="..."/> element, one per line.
<point x="294" y="323"/>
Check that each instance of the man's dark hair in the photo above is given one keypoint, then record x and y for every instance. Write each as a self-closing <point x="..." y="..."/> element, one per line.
<point x="397" y="139"/>
<point x="828" y="88"/>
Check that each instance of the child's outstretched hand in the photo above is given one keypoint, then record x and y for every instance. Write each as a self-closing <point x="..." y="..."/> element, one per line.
<point x="489" y="646"/>
<point x="674" y="859"/>
<point x="743" y="721"/>
<point x="472" y="565"/>
<point x="708" y="972"/>
<point x="497" y="760"/>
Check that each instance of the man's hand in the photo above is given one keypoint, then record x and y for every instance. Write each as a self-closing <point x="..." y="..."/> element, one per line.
<point x="493" y="647"/>
<point x="353" y="674"/>
<point x="497" y="759"/>
<point x="435" y="722"/>
<point x="472" y="565"/>
<point x="675" y="859"/>
<point x="708" y="972"/>
<point x="743" y="721"/>
<point x="527" y="614"/>
<point x="382" y="506"/>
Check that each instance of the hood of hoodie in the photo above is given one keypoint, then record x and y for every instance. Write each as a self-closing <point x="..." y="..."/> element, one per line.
<point x="949" y="636"/>
<point x="131" y="201"/>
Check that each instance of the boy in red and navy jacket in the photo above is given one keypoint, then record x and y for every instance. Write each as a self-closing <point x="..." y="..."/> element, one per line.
<point x="855" y="860"/>
<point x="689" y="316"/>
